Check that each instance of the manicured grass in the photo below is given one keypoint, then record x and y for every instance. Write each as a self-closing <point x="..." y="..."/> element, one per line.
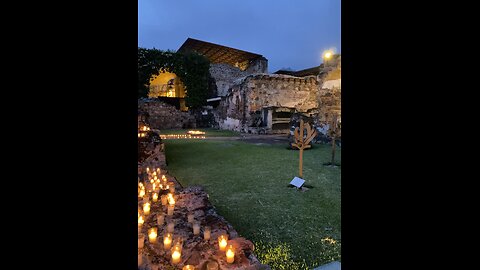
<point x="209" y="132"/>
<point x="248" y="184"/>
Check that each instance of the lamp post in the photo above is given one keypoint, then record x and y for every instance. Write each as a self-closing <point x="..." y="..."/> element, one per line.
<point x="326" y="56"/>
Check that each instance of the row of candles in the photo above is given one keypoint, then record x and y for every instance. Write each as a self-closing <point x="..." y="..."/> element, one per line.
<point x="180" y="136"/>
<point x="154" y="187"/>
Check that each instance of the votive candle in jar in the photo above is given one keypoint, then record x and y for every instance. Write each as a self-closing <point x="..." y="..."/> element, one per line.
<point x="206" y="233"/>
<point x="188" y="267"/>
<point x="141" y="240"/>
<point x="152" y="235"/>
<point x="170" y="209"/>
<point x="190" y="217"/>
<point x="146" y="208"/>
<point x="155" y="197"/>
<point x="222" y="242"/>
<point x="230" y="254"/>
<point x="160" y="219"/>
<point x="167" y="241"/>
<point x="176" y="255"/>
<point x="196" y="228"/>
<point x="171" y="186"/>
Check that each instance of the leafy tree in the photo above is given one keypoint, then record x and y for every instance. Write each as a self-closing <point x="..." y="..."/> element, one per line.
<point x="191" y="68"/>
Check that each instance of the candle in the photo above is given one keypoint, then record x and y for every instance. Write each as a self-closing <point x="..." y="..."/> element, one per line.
<point x="141" y="240"/>
<point x="230" y="254"/>
<point x="206" y="233"/>
<point x="170" y="209"/>
<point x="141" y="193"/>
<point x="152" y="235"/>
<point x="140" y="223"/>
<point x="146" y="198"/>
<point x="163" y="198"/>
<point x="148" y="170"/>
<point x="155" y="197"/>
<point x="188" y="267"/>
<point x="176" y="255"/>
<point x="160" y="219"/>
<point x="167" y="241"/>
<point x="190" y="217"/>
<point x="170" y="226"/>
<point x="172" y="187"/>
<point x="212" y="265"/>
<point x="146" y="208"/>
<point x="222" y="242"/>
<point x="171" y="200"/>
<point x="140" y="259"/>
<point x="196" y="228"/>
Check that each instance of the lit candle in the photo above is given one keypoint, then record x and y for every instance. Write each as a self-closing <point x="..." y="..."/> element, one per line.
<point x="206" y="233"/>
<point x="140" y="223"/>
<point x="167" y="241"/>
<point x="146" y="208"/>
<point x="170" y="226"/>
<point x="190" y="217"/>
<point x="171" y="200"/>
<point x="160" y="219"/>
<point x="141" y="193"/>
<point x="170" y="209"/>
<point x="148" y="170"/>
<point x="163" y="198"/>
<point x="155" y="197"/>
<point x="230" y="254"/>
<point x="188" y="267"/>
<point x="222" y="242"/>
<point x="141" y="240"/>
<point x="176" y="255"/>
<point x="196" y="228"/>
<point x="152" y="235"/>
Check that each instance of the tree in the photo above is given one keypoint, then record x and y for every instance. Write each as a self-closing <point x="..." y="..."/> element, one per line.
<point x="334" y="132"/>
<point x="191" y="68"/>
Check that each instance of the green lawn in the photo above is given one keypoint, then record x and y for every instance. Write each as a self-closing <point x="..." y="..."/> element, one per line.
<point x="248" y="184"/>
<point x="209" y="132"/>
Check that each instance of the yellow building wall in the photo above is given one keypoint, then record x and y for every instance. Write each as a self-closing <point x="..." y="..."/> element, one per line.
<point x="159" y="87"/>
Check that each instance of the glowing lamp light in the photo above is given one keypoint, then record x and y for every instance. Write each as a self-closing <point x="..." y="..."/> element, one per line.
<point x="188" y="267"/>
<point x="146" y="208"/>
<point x="176" y="254"/>
<point x="167" y="241"/>
<point x="152" y="235"/>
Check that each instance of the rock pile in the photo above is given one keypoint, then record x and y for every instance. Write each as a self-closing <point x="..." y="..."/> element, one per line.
<point x="165" y="116"/>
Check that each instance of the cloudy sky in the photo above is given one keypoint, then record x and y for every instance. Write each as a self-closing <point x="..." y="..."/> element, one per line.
<point x="289" y="33"/>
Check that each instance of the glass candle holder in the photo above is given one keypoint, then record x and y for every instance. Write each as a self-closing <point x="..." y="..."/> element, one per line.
<point x="212" y="266"/>
<point x="155" y="197"/>
<point x="160" y="219"/>
<point x="188" y="267"/>
<point x="176" y="255"/>
<point x="146" y="208"/>
<point x="222" y="242"/>
<point x="141" y="240"/>
<point x="170" y="209"/>
<point x="196" y="228"/>
<point x="152" y="235"/>
<point x="167" y="241"/>
<point x="170" y="226"/>
<point x="190" y="217"/>
<point x="230" y="254"/>
<point x="206" y="233"/>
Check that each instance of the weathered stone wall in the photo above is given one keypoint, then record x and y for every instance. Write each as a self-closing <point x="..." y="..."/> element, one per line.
<point x="225" y="74"/>
<point x="250" y="97"/>
<point x="330" y="91"/>
<point x="165" y="116"/>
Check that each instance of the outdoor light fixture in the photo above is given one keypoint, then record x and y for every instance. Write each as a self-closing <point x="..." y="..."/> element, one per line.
<point x="327" y="55"/>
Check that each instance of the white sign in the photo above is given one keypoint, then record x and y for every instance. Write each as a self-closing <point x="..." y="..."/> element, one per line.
<point x="298" y="182"/>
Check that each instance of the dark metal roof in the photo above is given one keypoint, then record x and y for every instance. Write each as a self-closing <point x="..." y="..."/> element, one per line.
<point x="218" y="53"/>
<point x="301" y="73"/>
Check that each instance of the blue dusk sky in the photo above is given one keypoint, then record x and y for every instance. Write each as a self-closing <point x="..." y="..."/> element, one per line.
<point x="289" y="33"/>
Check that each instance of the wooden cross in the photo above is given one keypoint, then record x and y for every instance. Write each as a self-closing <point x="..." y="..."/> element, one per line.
<point x="302" y="142"/>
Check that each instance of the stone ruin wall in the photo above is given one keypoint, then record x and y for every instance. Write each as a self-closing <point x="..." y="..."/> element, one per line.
<point x="165" y="116"/>
<point x="329" y="95"/>
<point x="225" y="74"/>
<point x="248" y="98"/>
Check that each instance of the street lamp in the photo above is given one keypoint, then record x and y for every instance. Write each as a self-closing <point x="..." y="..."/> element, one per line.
<point x="326" y="56"/>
